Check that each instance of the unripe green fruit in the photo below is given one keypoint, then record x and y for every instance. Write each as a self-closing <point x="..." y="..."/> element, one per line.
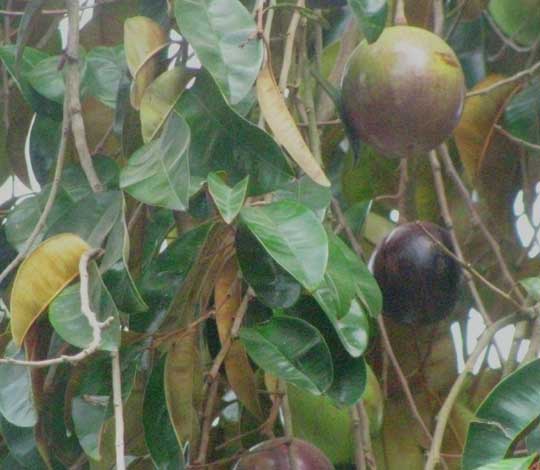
<point x="403" y="94"/>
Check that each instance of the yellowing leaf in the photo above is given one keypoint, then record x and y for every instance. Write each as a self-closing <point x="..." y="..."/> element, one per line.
<point x="41" y="277"/>
<point x="281" y="122"/>
<point x="228" y="298"/>
<point x="143" y="38"/>
<point x="159" y="99"/>
<point x="475" y="128"/>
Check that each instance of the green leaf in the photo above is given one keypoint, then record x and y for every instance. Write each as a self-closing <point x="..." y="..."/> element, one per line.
<point x="22" y="446"/>
<point x="293" y="236"/>
<point x="24" y="29"/>
<point x="306" y="192"/>
<point x="273" y="285"/>
<point x="222" y="140"/>
<point x="159" y="434"/>
<point x="72" y="325"/>
<point x="523" y="463"/>
<point x="224" y="36"/>
<point x="43" y="146"/>
<point x="522" y="114"/>
<point x="105" y="68"/>
<point x="503" y="417"/>
<point x="158" y="173"/>
<point x="371" y="16"/>
<point x="16" y="396"/>
<point x="291" y="349"/>
<point x="229" y="201"/>
<point x="532" y="286"/>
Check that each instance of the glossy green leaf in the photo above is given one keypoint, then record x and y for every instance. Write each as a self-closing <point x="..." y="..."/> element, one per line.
<point x="523" y="463"/>
<point x="44" y="141"/>
<point x="522" y="24"/>
<point x="293" y="236"/>
<point x="307" y="192"/>
<point x="229" y="201"/>
<point x="532" y="286"/>
<point x="291" y="349"/>
<point x="22" y="445"/>
<point x="24" y="30"/>
<point x="508" y="411"/>
<point x="16" y="396"/>
<point x="522" y="114"/>
<point x="90" y="406"/>
<point x="159" y="434"/>
<point x="70" y="322"/>
<point x="350" y="377"/>
<point x="170" y="268"/>
<point x="223" y="35"/>
<point x="273" y="285"/>
<point x="158" y="173"/>
<point x="222" y="140"/>
<point x="371" y="16"/>
<point x="319" y="421"/>
<point x="105" y="68"/>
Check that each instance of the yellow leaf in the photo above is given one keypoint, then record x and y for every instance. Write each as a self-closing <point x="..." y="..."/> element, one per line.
<point x="281" y="122"/>
<point x="41" y="277"/>
<point x="227" y="298"/>
<point x="159" y="99"/>
<point x="143" y="38"/>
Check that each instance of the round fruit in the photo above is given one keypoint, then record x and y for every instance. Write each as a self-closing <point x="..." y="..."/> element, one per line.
<point x="518" y="19"/>
<point x="418" y="280"/>
<point x="274" y="455"/>
<point x="404" y="93"/>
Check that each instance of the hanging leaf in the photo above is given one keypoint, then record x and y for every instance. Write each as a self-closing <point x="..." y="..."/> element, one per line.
<point x="158" y="431"/>
<point x="224" y="37"/>
<point x="46" y="271"/>
<point x="16" y="395"/>
<point x="522" y="114"/>
<point x="523" y="463"/>
<point x="181" y="376"/>
<point x="70" y="322"/>
<point x="228" y="300"/>
<point x="159" y="98"/>
<point x="279" y="119"/>
<point x="371" y="16"/>
<point x="291" y="349"/>
<point x="143" y="39"/>
<point x="223" y="140"/>
<point x="158" y="173"/>
<point x="273" y="285"/>
<point x="229" y="201"/>
<point x="23" y="447"/>
<point x="293" y="236"/>
<point x="31" y="11"/>
<point x="503" y="417"/>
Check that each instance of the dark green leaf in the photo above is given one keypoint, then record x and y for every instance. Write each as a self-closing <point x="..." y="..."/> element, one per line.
<point x="371" y="16"/>
<point x="229" y="201"/>
<point x="158" y="173"/>
<point x="293" y="236"/>
<point x="508" y="411"/>
<point x="273" y="285"/>
<point x="16" y="396"/>
<point x="291" y="349"/>
<point x="106" y="66"/>
<point x="70" y="322"/>
<point x="222" y="140"/>
<point x="158" y="431"/>
<point x="44" y="141"/>
<point x="24" y="30"/>
<point x="223" y="35"/>
<point x="22" y="445"/>
<point x="522" y="114"/>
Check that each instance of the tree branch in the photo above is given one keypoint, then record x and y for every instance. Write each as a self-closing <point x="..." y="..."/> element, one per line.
<point x="72" y="96"/>
<point x="118" y="412"/>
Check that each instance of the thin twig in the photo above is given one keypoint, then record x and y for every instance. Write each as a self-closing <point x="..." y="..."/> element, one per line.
<point x="401" y="376"/>
<point x="501" y="130"/>
<point x="507" y="40"/>
<point x="358" y="432"/>
<point x="58" y="11"/>
<point x="73" y="84"/>
<point x="118" y="412"/>
<point x="524" y="74"/>
<point x="342" y="220"/>
<point x="207" y="422"/>
<point x="96" y="326"/>
<point x="40" y="225"/>
<point x="434" y="455"/>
